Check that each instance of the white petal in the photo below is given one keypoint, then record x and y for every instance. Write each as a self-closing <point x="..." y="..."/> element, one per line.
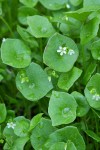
<point x="64" y="52"/>
<point x="64" y="48"/>
<point x="68" y="6"/>
<point x="3" y="40"/>
<point x="61" y="53"/>
<point x="60" y="47"/>
<point x="59" y="50"/>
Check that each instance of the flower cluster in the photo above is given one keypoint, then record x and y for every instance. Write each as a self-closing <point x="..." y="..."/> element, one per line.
<point x="96" y="97"/>
<point x="62" y="50"/>
<point x="65" y="50"/>
<point x="24" y="78"/>
<point x="11" y="125"/>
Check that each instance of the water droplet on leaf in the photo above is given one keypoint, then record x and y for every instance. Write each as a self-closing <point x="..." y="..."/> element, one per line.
<point x="32" y="85"/>
<point x="65" y="111"/>
<point x="44" y="30"/>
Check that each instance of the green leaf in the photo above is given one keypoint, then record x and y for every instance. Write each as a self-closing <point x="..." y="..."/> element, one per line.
<point x="70" y="145"/>
<point x="88" y="73"/>
<point x="82" y="13"/>
<point x="54" y="5"/>
<point x="15" y="53"/>
<point x="95" y="49"/>
<point x="3" y="113"/>
<point x="64" y="135"/>
<point x="76" y="2"/>
<point x="29" y="3"/>
<point x="91" y="3"/>
<point x="19" y="143"/>
<point x="62" y="108"/>
<point x="89" y="30"/>
<point x="35" y="120"/>
<point x="25" y="11"/>
<point x="53" y="59"/>
<point x="58" y="146"/>
<point x="67" y="79"/>
<point x="71" y="27"/>
<point x="82" y="104"/>
<point x="92" y="91"/>
<point x="40" y="26"/>
<point x="33" y="82"/>
<point x="10" y="137"/>
<point x="29" y="39"/>
<point x="22" y="126"/>
<point x="92" y="135"/>
<point x="41" y="133"/>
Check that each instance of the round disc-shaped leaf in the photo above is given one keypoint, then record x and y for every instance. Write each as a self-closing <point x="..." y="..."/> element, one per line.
<point x="67" y="134"/>
<point x="71" y="146"/>
<point x="83" y="106"/>
<point x="40" y="26"/>
<point x="95" y="49"/>
<point x="15" y="53"/>
<point x="62" y="108"/>
<point x="92" y="91"/>
<point x="33" y="82"/>
<point x="76" y="2"/>
<point x="58" y="146"/>
<point x="22" y="126"/>
<point x="41" y="133"/>
<point x="25" y="11"/>
<point x="53" y="59"/>
<point x="67" y="79"/>
<point x="19" y="143"/>
<point x="29" y="3"/>
<point x="53" y="4"/>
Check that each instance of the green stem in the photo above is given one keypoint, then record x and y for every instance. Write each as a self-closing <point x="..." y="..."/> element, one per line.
<point x="83" y="56"/>
<point x="7" y="25"/>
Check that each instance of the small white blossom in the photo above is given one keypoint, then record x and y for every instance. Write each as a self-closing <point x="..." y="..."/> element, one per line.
<point x="11" y="125"/>
<point x="68" y="6"/>
<point x="67" y="18"/>
<point x="71" y="52"/>
<point x="24" y="79"/>
<point x="49" y="78"/>
<point x="61" y="50"/>
<point x="96" y="97"/>
<point x="3" y="40"/>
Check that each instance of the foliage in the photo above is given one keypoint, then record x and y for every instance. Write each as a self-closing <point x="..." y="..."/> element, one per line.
<point x="49" y="74"/>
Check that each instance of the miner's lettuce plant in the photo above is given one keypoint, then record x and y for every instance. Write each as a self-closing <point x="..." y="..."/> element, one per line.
<point x="49" y="74"/>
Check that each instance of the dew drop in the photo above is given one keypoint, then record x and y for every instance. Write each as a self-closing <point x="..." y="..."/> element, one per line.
<point x="44" y="30"/>
<point x="65" y="111"/>
<point x="41" y="125"/>
<point x="32" y="85"/>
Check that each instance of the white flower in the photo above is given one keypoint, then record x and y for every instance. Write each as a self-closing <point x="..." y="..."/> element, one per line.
<point x="68" y="6"/>
<point x="96" y="97"/>
<point x="3" y="40"/>
<point x="49" y="78"/>
<point x="61" y="50"/>
<point x="11" y="125"/>
<point x="25" y="79"/>
<point x="71" y="52"/>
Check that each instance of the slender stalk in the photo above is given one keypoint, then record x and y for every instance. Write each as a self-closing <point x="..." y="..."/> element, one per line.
<point x="4" y="21"/>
